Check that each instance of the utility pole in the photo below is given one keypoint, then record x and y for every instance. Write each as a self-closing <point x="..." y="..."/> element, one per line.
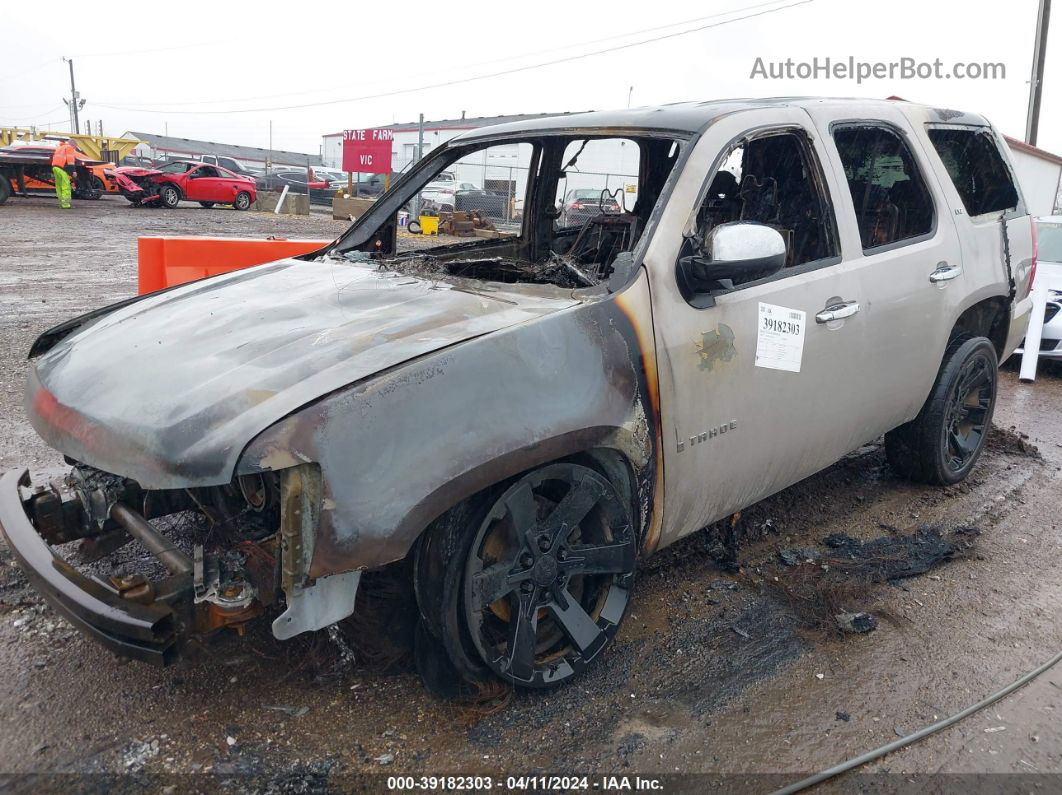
<point x="416" y="159"/>
<point x="420" y="139"/>
<point x="629" y="92"/>
<point x="1036" y="82"/>
<point x="269" y="156"/>
<point x="75" y="103"/>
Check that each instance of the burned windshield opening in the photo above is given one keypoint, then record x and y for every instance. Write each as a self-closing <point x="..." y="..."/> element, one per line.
<point x="550" y="210"/>
<point x="559" y="270"/>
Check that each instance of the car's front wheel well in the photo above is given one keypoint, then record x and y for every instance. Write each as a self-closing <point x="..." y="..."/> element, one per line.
<point x="556" y="539"/>
<point x="618" y="470"/>
<point x="988" y="318"/>
<point x="613" y="464"/>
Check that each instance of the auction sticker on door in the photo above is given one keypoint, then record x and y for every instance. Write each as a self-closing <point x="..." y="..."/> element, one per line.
<point x="780" y="338"/>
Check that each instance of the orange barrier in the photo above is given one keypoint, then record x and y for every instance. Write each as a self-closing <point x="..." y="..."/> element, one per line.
<point x="166" y="261"/>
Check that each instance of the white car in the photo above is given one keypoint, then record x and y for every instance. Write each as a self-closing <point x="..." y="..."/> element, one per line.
<point x="439" y="195"/>
<point x="1049" y="269"/>
<point x="330" y="174"/>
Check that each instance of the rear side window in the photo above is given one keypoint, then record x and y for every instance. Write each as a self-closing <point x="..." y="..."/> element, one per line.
<point x="977" y="169"/>
<point x="891" y="200"/>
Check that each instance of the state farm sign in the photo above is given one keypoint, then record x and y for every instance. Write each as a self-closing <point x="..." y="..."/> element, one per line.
<point x="367" y="151"/>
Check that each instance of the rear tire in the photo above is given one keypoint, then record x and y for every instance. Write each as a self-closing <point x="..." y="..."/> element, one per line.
<point x="5" y="188"/>
<point x="169" y="197"/>
<point x="242" y="201"/>
<point x="208" y="205"/>
<point x="941" y="445"/>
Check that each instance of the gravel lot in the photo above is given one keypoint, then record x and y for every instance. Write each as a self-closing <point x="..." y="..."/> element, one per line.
<point x="715" y="671"/>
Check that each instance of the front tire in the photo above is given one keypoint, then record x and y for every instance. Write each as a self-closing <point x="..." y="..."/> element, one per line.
<point x="169" y="197"/>
<point x="94" y="190"/>
<point x="242" y="201"/>
<point x="529" y="582"/>
<point x="941" y="445"/>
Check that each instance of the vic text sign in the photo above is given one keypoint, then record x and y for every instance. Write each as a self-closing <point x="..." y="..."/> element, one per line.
<point x="367" y="151"/>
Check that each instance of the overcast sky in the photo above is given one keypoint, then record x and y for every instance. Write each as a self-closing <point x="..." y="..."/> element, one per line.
<point x="156" y="70"/>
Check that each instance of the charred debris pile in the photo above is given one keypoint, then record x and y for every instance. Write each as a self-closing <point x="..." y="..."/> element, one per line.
<point x="559" y="269"/>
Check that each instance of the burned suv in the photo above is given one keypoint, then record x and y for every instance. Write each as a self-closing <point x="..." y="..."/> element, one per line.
<point x="514" y="420"/>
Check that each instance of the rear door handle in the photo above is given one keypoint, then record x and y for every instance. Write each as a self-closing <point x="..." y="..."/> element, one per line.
<point x="837" y="312"/>
<point x="944" y="273"/>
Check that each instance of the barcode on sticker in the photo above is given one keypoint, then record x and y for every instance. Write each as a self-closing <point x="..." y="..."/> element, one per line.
<point x="794" y="315"/>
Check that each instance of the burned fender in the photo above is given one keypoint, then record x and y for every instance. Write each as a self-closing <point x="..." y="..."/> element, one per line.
<point x="399" y="449"/>
<point x="169" y="389"/>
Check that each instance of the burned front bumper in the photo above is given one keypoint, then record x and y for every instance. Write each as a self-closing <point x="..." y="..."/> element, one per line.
<point x="146" y="632"/>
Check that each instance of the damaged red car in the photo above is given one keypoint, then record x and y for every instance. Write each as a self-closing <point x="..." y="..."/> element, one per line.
<point x="168" y="184"/>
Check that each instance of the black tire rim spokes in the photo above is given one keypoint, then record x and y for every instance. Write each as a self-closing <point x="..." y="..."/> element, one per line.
<point x="968" y="411"/>
<point x="545" y="599"/>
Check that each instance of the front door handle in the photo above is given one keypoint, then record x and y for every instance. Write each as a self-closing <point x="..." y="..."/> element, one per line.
<point x="944" y="273"/>
<point x="837" y="312"/>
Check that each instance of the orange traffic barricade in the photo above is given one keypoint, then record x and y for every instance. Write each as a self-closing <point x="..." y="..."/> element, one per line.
<point x="167" y="261"/>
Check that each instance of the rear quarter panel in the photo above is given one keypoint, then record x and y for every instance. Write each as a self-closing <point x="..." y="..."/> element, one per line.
<point x="996" y="247"/>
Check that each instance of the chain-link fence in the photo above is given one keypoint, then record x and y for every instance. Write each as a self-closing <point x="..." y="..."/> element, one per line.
<point x="493" y="181"/>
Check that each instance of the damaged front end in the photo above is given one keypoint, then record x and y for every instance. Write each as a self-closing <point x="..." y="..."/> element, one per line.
<point x="273" y="432"/>
<point x="229" y="554"/>
<point x="137" y="184"/>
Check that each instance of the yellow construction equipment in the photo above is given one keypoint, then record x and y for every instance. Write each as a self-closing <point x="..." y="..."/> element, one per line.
<point x="97" y="147"/>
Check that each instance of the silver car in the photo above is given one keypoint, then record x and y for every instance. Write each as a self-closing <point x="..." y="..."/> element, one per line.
<point x="505" y="426"/>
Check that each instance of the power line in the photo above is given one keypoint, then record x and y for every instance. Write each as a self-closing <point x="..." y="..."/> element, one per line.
<point x="26" y="71"/>
<point x="466" y="66"/>
<point x="42" y="64"/>
<point x="48" y="112"/>
<point x="151" y="50"/>
<point x="444" y="84"/>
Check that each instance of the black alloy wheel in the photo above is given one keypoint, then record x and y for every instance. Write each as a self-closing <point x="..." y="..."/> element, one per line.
<point x="968" y="410"/>
<point x="941" y="445"/>
<point x="549" y="575"/>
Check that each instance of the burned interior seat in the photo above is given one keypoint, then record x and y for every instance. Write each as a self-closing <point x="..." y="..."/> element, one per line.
<point x="759" y="199"/>
<point x="879" y="219"/>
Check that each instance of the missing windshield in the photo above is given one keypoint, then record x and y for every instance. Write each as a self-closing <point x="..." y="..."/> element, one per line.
<point x="553" y="210"/>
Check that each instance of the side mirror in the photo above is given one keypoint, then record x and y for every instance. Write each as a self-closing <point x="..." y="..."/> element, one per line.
<point x="739" y="252"/>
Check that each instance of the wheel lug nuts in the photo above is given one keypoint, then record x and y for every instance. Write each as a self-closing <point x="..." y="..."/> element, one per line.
<point x="527" y="587"/>
<point x="562" y="555"/>
<point x="526" y="559"/>
<point x="543" y="543"/>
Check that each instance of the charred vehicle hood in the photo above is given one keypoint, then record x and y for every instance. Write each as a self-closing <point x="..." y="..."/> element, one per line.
<point x="170" y="389"/>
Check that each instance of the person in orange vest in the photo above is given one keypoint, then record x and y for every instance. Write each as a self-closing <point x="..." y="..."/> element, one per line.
<point x="63" y="162"/>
